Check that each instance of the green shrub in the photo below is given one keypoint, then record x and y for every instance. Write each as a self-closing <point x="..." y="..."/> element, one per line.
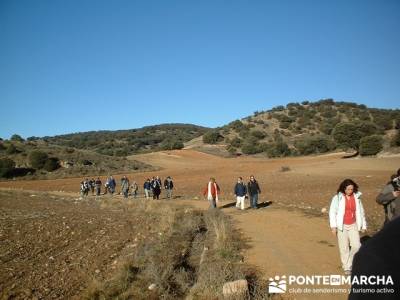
<point x="258" y="134"/>
<point x="277" y="149"/>
<point x="51" y="164"/>
<point x="236" y="142"/>
<point x="212" y="137"/>
<point x="396" y="139"/>
<point x="6" y="166"/>
<point x="11" y="149"/>
<point x="16" y="138"/>
<point x="347" y="135"/>
<point x="37" y="159"/>
<point x="371" y="145"/>
<point x="315" y="144"/>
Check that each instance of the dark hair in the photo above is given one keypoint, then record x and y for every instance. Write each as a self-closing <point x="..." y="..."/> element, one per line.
<point x="345" y="183"/>
<point x="398" y="172"/>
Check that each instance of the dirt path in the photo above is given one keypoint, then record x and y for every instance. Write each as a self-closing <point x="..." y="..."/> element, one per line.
<point x="285" y="242"/>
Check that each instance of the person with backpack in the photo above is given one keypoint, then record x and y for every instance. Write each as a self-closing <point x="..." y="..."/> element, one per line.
<point x="212" y="192"/>
<point x="97" y="184"/>
<point x="147" y="188"/>
<point x="240" y="192"/>
<point x="168" y="185"/>
<point x="389" y="197"/>
<point x="134" y="189"/>
<point x="253" y="189"/>
<point x="125" y="186"/>
<point x="156" y="187"/>
<point x="346" y="219"/>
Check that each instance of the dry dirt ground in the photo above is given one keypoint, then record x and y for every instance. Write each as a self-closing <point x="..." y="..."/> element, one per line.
<point x="291" y="235"/>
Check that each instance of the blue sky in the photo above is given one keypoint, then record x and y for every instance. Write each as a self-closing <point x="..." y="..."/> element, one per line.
<point x="70" y="66"/>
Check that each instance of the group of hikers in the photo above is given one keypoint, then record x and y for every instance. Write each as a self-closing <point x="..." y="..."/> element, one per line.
<point x="241" y="191"/>
<point x="152" y="187"/>
<point x="346" y="212"/>
<point x="347" y="215"/>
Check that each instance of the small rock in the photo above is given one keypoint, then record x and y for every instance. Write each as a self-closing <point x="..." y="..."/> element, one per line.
<point x="97" y="271"/>
<point x="152" y="287"/>
<point x="324" y="210"/>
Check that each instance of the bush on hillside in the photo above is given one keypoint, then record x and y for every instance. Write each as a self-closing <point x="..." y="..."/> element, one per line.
<point x="11" y="149"/>
<point x="396" y="140"/>
<point x="6" y="167"/>
<point x="51" y="164"/>
<point x="371" y="145"/>
<point x="236" y="142"/>
<point x="16" y="138"/>
<point x="212" y="137"/>
<point x="37" y="159"/>
<point x="258" y="134"/>
<point x="314" y="145"/>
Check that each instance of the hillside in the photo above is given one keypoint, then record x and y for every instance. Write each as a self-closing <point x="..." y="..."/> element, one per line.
<point x="53" y="161"/>
<point x="127" y="142"/>
<point x="310" y="128"/>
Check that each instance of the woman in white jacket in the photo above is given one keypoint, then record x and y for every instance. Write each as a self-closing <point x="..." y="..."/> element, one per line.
<point x="347" y="218"/>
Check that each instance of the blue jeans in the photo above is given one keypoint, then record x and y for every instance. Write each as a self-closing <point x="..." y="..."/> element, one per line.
<point x="254" y="200"/>
<point x="213" y="203"/>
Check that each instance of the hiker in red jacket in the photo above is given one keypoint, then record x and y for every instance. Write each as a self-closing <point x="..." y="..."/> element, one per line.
<point x="212" y="192"/>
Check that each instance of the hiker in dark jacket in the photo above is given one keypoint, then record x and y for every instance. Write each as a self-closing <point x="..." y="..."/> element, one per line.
<point x="253" y="189"/>
<point x="389" y="197"/>
<point x="92" y="185"/>
<point x="156" y="187"/>
<point x="125" y="186"/>
<point x="111" y="184"/>
<point x="168" y="185"/>
<point x="147" y="188"/>
<point x="240" y="192"/>
<point x="97" y="184"/>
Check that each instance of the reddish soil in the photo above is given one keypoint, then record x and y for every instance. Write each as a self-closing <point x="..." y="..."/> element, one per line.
<point x="52" y="247"/>
<point x="291" y="236"/>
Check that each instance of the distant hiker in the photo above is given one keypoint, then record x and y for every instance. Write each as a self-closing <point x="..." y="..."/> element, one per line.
<point x="240" y="192"/>
<point x="84" y="189"/>
<point x="346" y="219"/>
<point x="97" y="184"/>
<point x="147" y="188"/>
<point x="111" y="184"/>
<point x="389" y="197"/>
<point x="253" y="189"/>
<point x="212" y="192"/>
<point x="156" y="187"/>
<point x="134" y="189"/>
<point x="125" y="186"/>
<point x="91" y="184"/>
<point x="168" y="185"/>
<point x="106" y="187"/>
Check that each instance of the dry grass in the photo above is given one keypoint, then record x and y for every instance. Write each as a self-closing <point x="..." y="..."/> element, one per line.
<point x="196" y="254"/>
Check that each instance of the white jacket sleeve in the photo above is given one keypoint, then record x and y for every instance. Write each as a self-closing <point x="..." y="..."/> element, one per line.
<point x="333" y="210"/>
